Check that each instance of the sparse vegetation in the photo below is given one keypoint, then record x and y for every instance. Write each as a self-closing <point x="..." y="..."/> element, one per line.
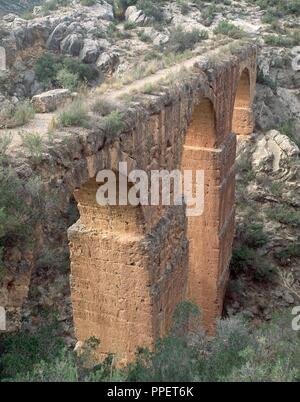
<point x="144" y="37"/>
<point x="229" y="29"/>
<point x="239" y="353"/>
<point x="88" y="3"/>
<point x="17" y="216"/>
<point x="148" y="89"/>
<point x="23" y="113"/>
<point x="152" y="9"/>
<point x="16" y="116"/>
<point x="208" y="14"/>
<point x="290" y="252"/>
<point x="280" y="8"/>
<point x="74" y="115"/>
<point x="266" y="80"/>
<point x="128" y="25"/>
<point x="285" y="215"/>
<point x="113" y="123"/>
<point x="288" y="128"/>
<point x="279" y="40"/>
<point x="5" y="141"/>
<point x="247" y="256"/>
<point x="52" y="5"/>
<point x="184" y="6"/>
<point x="105" y="106"/>
<point x="181" y="40"/>
<point x="34" y="144"/>
<point x="60" y="71"/>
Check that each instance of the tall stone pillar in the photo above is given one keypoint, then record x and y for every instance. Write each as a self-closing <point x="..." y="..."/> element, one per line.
<point x="211" y="234"/>
<point x="126" y="279"/>
<point x="243" y="120"/>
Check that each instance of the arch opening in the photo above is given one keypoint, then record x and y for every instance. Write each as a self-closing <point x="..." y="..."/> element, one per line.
<point x="201" y="131"/>
<point x="242" y="120"/>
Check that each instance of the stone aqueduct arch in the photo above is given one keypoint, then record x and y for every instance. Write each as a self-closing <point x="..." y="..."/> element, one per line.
<point x="243" y="122"/>
<point x="131" y="266"/>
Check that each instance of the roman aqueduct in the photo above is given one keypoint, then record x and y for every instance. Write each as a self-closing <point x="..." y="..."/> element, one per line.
<point x="131" y="266"/>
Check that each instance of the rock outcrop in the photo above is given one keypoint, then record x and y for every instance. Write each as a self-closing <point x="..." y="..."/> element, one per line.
<point x="49" y="101"/>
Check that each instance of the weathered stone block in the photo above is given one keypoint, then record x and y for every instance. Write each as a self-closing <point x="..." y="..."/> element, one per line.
<point x="50" y="101"/>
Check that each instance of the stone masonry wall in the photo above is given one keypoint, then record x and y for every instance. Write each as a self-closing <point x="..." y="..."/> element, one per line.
<point x="132" y="266"/>
<point x="126" y="304"/>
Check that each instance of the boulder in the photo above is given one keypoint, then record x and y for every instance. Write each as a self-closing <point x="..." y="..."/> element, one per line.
<point x="72" y="45"/>
<point x="90" y="51"/>
<point x="9" y="17"/>
<point x="136" y="16"/>
<point x="274" y="152"/>
<point x="57" y="35"/>
<point x="49" y="101"/>
<point x="101" y="11"/>
<point x="108" y="62"/>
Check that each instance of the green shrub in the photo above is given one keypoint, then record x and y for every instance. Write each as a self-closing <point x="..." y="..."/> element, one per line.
<point x="285" y="215"/>
<point x="104" y="106"/>
<point x="148" y="89"/>
<point x="253" y="235"/>
<point x="181" y="40"/>
<point x="128" y="25"/>
<point x="5" y="141"/>
<point x="152" y="9"/>
<point x="24" y="112"/>
<point x="46" y="69"/>
<point x="88" y="3"/>
<point x="287" y="253"/>
<point x="184" y="6"/>
<point x="68" y="80"/>
<point x="280" y="8"/>
<point x="288" y="128"/>
<point x="246" y="258"/>
<point x="208" y="14"/>
<point x="33" y="142"/>
<point x="51" y="70"/>
<point x="15" y="116"/>
<point x="229" y="29"/>
<point x="265" y="80"/>
<point x="279" y="40"/>
<point x="17" y="217"/>
<point x="243" y="258"/>
<point x="269" y="18"/>
<point x="52" y="5"/>
<point x="62" y="369"/>
<point x="113" y="123"/>
<point x="144" y="37"/>
<point x="21" y="351"/>
<point x="74" y="115"/>
<point x="238" y="352"/>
